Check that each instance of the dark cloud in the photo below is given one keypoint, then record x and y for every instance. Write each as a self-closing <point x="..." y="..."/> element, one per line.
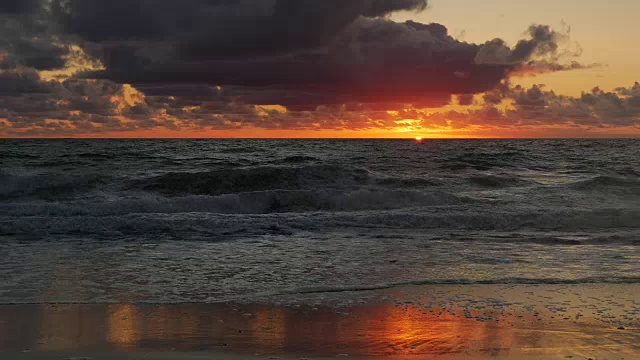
<point x="222" y="27"/>
<point x="33" y="52"/>
<point x="543" y="41"/>
<point x="35" y="107"/>
<point x="536" y="67"/>
<point x="19" y="6"/>
<point x="537" y="107"/>
<point x="633" y="91"/>
<point x="199" y="64"/>
<point x="371" y="61"/>
<point x="323" y="47"/>
<point x="27" y="101"/>
<point x="465" y="99"/>
<point x="28" y="37"/>
<point x="17" y="83"/>
<point x="541" y="48"/>
<point x="308" y="52"/>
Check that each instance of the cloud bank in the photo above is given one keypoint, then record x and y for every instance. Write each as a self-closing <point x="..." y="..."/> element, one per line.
<point x="225" y="64"/>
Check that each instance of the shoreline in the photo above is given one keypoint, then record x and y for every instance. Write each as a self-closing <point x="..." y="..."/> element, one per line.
<point x="471" y="322"/>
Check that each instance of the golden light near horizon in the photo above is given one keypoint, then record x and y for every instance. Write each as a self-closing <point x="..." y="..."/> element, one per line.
<point x="419" y="138"/>
<point x="183" y="95"/>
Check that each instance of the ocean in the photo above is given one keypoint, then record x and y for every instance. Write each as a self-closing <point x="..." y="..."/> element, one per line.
<point x="210" y="221"/>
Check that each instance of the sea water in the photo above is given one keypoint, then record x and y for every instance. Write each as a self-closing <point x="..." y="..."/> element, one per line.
<point x="163" y="221"/>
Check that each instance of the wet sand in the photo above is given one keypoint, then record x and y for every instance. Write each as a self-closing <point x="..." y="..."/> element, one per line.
<point x="445" y="322"/>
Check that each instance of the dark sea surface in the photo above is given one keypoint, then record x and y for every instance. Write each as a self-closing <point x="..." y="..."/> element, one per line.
<point x="101" y="221"/>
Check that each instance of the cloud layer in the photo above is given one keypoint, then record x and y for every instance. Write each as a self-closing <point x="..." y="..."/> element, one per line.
<point x="225" y="64"/>
<point x="517" y="107"/>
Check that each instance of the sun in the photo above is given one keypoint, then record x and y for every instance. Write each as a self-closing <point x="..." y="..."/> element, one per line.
<point x="418" y="138"/>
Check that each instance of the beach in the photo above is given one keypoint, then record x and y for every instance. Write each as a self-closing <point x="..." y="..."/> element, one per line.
<point x="319" y="179"/>
<point x="233" y="249"/>
<point x="435" y="322"/>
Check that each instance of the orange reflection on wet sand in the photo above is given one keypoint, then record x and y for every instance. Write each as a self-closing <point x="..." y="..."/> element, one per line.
<point x="268" y="328"/>
<point x="123" y="326"/>
<point x="380" y="330"/>
<point x="411" y="330"/>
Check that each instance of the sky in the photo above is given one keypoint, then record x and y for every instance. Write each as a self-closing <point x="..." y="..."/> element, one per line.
<point x="604" y="30"/>
<point x="319" y="68"/>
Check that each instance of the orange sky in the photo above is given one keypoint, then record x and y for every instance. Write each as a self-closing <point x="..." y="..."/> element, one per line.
<point x="256" y="133"/>
<point x="610" y="45"/>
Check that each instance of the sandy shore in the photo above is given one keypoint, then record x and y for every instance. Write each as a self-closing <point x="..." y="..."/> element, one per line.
<point x="444" y="322"/>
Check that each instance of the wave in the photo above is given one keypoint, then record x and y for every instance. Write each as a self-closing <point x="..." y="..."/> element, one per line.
<point x="271" y="178"/>
<point x="51" y="185"/>
<point x="19" y="156"/>
<point x="93" y="156"/>
<point x="462" y="281"/>
<point x="240" y="150"/>
<point x="262" y="202"/>
<point x="629" y="171"/>
<point x="484" y="161"/>
<point x="231" y="181"/>
<point x="494" y="181"/>
<point x="561" y="239"/>
<point x="408" y="182"/>
<point x="627" y="185"/>
<point x="190" y="217"/>
<point x="600" y="181"/>
<point x="296" y="159"/>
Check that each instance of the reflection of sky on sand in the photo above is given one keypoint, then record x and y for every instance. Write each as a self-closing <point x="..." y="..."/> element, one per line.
<point x="124" y="327"/>
<point x="368" y="330"/>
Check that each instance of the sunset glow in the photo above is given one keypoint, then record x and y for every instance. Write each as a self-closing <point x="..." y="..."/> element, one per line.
<point x="442" y="74"/>
<point x="319" y="179"/>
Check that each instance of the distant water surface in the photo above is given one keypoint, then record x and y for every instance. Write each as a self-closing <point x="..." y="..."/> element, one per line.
<point x="218" y="220"/>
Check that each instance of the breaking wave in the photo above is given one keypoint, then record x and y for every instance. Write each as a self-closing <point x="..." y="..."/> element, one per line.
<point x="501" y="281"/>
<point x="229" y="181"/>
<point x="188" y="217"/>
<point x="605" y="183"/>
<point x="262" y="202"/>
<point x="47" y="185"/>
<point x="296" y="159"/>
<point x="494" y="181"/>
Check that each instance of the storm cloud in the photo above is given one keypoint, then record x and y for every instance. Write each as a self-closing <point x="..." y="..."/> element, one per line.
<point x="341" y="51"/>
<point x="197" y="64"/>
<point x="28" y="36"/>
<point x="19" y="6"/>
<point x="515" y="107"/>
<point x="372" y="60"/>
<point x="222" y="27"/>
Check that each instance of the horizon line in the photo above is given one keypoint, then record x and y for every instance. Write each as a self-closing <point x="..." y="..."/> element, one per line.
<point x="425" y="139"/>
